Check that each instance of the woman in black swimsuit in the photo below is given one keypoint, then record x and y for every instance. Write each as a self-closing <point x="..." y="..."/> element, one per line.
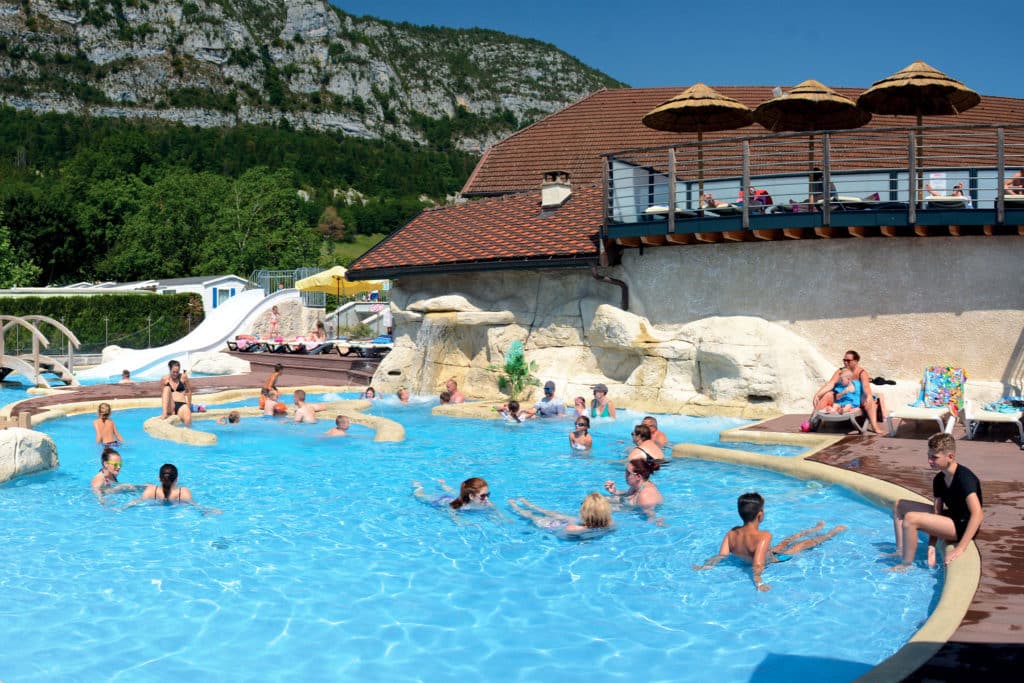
<point x="176" y="394"/>
<point x="168" y="491"/>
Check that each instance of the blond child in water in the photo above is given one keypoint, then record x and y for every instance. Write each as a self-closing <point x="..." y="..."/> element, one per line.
<point x="107" y="435"/>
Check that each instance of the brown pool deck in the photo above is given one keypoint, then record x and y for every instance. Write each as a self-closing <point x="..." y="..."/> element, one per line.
<point x="989" y="645"/>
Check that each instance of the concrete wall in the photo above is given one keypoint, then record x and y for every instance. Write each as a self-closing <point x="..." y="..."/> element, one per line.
<point x="901" y="303"/>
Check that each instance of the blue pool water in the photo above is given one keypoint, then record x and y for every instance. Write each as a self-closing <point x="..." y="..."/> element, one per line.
<point x="324" y="567"/>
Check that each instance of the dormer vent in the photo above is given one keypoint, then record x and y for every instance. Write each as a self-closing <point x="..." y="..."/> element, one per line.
<point x="555" y="190"/>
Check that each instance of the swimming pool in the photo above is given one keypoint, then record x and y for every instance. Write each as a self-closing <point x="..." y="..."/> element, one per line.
<point x="324" y="567"/>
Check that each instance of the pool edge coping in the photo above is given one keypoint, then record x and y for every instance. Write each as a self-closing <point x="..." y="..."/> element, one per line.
<point x="962" y="577"/>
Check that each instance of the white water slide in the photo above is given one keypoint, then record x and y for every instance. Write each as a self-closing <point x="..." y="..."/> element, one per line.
<point x="234" y="316"/>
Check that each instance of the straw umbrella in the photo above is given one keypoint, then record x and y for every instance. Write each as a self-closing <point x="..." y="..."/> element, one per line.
<point x="699" y="109"/>
<point x="810" y="106"/>
<point x="918" y="90"/>
<point x="335" y="281"/>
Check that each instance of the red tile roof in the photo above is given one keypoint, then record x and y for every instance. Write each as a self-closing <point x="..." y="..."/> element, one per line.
<point x="609" y="120"/>
<point x="510" y="231"/>
<point x="500" y="232"/>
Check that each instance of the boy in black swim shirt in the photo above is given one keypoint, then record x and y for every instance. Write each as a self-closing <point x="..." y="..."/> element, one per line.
<point x="955" y="516"/>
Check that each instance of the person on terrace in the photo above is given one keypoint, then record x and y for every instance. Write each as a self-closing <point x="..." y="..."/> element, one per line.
<point x="1014" y="185"/>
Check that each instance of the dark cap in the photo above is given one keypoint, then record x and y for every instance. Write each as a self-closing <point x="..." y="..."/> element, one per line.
<point x="600" y="387"/>
<point x="549" y="386"/>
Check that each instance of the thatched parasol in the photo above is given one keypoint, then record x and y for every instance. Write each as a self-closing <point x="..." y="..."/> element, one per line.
<point x="699" y="109"/>
<point x="918" y="90"/>
<point x="810" y="106"/>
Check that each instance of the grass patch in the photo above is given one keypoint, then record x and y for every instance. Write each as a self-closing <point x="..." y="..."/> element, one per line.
<point x="347" y="252"/>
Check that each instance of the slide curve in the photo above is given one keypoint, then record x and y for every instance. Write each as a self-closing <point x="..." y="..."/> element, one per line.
<point x="232" y="317"/>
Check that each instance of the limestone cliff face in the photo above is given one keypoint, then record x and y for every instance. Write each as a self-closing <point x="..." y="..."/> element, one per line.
<point x="220" y="62"/>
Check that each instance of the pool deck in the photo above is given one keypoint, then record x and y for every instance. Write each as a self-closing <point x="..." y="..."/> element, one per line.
<point x="989" y="643"/>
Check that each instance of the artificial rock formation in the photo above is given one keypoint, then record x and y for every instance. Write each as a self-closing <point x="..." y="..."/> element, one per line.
<point x="739" y="364"/>
<point x="24" y="451"/>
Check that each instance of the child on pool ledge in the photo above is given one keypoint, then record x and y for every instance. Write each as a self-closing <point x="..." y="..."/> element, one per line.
<point x="754" y="545"/>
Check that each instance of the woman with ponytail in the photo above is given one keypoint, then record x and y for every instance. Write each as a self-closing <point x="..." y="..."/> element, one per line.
<point x="168" y="491"/>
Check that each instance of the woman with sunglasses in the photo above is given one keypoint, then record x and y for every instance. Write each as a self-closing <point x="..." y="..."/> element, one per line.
<point x="644" y="447"/>
<point x="473" y="494"/>
<point x="105" y="480"/>
<point x="642" y="492"/>
<point x="580" y="439"/>
<point x="873" y="404"/>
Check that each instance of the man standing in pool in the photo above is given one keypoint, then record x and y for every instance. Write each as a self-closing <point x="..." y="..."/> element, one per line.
<point x="955" y="515"/>
<point x="752" y="544"/>
<point x="305" y="412"/>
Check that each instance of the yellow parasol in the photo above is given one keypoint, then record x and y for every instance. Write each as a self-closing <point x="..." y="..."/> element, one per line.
<point x="334" y="281"/>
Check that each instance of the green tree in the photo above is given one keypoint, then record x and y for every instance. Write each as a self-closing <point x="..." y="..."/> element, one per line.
<point x="15" y="270"/>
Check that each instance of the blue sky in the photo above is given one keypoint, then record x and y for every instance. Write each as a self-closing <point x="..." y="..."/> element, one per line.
<point x="675" y="43"/>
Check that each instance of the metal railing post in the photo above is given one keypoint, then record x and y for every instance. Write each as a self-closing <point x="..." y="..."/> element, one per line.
<point x="1000" y="176"/>
<point x="671" y="189"/>
<point x="912" y="179"/>
<point x="747" y="197"/>
<point x="826" y="179"/>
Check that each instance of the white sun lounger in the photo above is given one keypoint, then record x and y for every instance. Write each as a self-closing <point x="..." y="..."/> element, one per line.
<point x="832" y="418"/>
<point x="975" y="416"/>
<point x="940" y="415"/>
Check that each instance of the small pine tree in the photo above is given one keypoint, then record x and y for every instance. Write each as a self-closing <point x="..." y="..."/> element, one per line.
<point x="516" y="374"/>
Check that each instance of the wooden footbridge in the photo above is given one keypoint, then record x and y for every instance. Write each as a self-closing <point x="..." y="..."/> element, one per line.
<point x="35" y="366"/>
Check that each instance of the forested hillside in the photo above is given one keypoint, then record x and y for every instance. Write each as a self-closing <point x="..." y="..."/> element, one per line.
<point x="87" y="198"/>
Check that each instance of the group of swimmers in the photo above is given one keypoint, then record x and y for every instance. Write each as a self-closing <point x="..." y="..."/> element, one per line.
<point x="954" y="516"/>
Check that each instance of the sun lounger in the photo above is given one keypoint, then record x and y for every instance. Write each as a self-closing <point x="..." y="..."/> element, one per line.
<point x="662" y="210"/>
<point x="974" y="416"/>
<point x="944" y="202"/>
<point x="942" y="393"/>
<point x="832" y="418"/>
<point x="722" y="209"/>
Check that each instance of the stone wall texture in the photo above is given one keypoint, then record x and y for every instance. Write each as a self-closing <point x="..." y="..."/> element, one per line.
<point x="746" y="328"/>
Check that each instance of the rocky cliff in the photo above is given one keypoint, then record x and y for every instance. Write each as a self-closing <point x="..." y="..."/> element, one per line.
<point x="304" y="62"/>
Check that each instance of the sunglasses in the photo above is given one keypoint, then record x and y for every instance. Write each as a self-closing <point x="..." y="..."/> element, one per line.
<point x="484" y="496"/>
<point x="847" y="360"/>
<point x="114" y="465"/>
<point x="581" y="424"/>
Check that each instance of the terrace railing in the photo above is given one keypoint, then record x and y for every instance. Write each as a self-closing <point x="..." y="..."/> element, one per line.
<point x="820" y="173"/>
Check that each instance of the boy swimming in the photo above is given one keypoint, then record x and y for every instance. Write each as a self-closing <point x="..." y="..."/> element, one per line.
<point x="752" y="544"/>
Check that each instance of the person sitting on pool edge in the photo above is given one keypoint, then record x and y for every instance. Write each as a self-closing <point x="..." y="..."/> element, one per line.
<point x="955" y="516"/>
<point x="340" y="428"/>
<point x="305" y="412"/>
<point x="595" y="516"/>
<point x="473" y="494"/>
<point x="754" y="545"/>
<point x="176" y="394"/>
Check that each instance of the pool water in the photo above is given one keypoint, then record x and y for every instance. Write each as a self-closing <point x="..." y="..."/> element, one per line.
<point x="324" y="567"/>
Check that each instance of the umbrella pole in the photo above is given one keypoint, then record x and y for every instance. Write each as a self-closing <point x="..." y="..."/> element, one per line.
<point x="337" y="310"/>
<point x="700" y="169"/>
<point x="810" y="170"/>
<point x="920" y="159"/>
